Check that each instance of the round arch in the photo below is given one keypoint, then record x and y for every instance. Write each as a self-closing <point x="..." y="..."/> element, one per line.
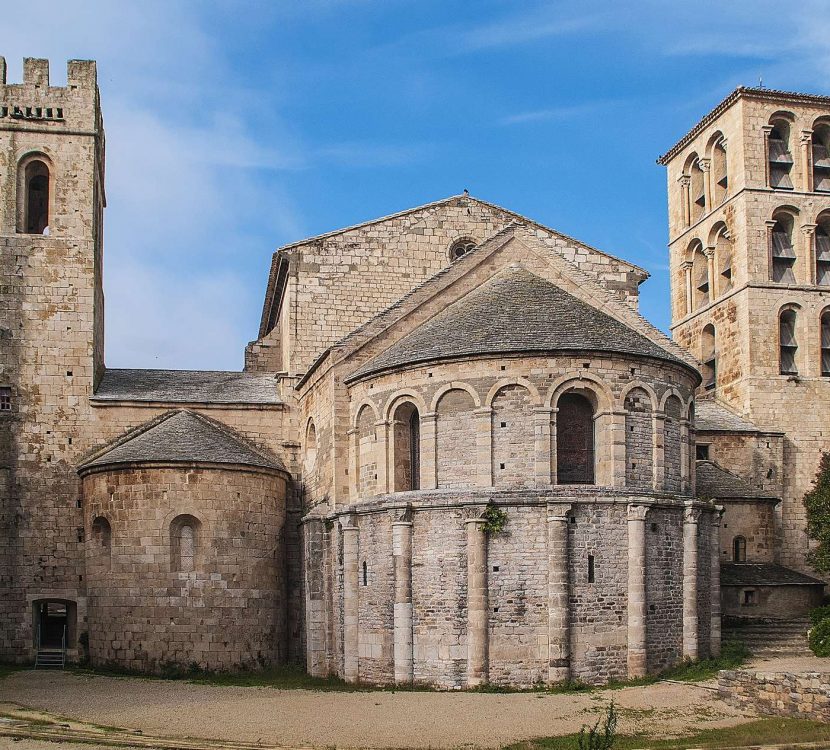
<point x="581" y="381"/>
<point x="456" y="385"/>
<point x="637" y="384"/>
<point x="523" y="382"/>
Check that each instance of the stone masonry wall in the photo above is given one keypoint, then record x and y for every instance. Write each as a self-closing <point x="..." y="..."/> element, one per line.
<point x="664" y="584"/>
<point x="49" y="354"/>
<point x="456" y="440"/>
<point x="639" y="436"/>
<point x="340" y="280"/>
<point x="518" y="599"/>
<point x="802" y="696"/>
<point x="599" y="608"/>
<point x="513" y="437"/>
<point x="229" y="612"/>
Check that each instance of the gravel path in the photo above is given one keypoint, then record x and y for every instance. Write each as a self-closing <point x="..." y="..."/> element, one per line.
<point x="368" y="719"/>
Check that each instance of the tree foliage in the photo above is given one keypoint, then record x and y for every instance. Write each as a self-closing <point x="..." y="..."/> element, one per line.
<point x="817" y="503"/>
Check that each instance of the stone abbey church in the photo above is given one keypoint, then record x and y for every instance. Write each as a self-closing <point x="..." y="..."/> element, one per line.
<point x="456" y="454"/>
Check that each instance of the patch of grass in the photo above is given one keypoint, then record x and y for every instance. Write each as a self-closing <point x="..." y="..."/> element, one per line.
<point x="732" y="655"/>
<point x="758" y="732"/>
<point x="6" y="668"/>
<point x="295" y="677"/>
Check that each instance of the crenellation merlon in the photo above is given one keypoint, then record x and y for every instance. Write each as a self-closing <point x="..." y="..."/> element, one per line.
<point x="36" y="72"/>
<point x="80" y="74"/>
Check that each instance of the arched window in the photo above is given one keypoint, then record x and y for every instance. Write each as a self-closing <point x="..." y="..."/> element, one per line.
<point x="461" y="247"/>
<point x="184" y="543"/>
<point x="821" y="158"/>
<point x="787" y="342"/>
<point x="709" y="357"/>
<point x="822" y="240"/>
<point x="723" y="260"/>
<point x="720" y="180"/>
<point x="782" y="250"/>
<point x="697" y="192"/>
<point x="407" y="448"/>
<point x="310" y="458"/>
<point x="574" y="440"/>
<point x="825" y="343"/>
<point x="36" y="197"/>
<point x="700" y="276"/>
<point x="739" y="549"/>
<point x="779" y="156"/>
<point x="101" y="543"/>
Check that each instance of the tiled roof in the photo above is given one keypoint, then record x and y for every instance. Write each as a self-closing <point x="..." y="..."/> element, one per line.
<point x="731" y="98"/>
<point x="763" y="574"/>
<point x="183" y="437"/>
<point x="712" y="416"/>
<point x="515" y="312"/>
<point x="715" y="482"/>
<point x="187" y="387"/>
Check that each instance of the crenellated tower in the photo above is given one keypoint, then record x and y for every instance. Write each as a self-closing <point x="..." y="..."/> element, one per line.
<point x="749" y="245"/>
<point x="51" y="338"/>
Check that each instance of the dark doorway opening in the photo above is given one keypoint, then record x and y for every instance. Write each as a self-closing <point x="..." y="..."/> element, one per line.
<point x="54" y="622"/>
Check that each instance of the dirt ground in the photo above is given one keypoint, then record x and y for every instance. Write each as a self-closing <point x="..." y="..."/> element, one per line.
<point x="367" y="719"/>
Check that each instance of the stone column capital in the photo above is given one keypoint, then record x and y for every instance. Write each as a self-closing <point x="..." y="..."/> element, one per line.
<point x="559" y="512"/>
<point x="686" y="265"/>
<point x="684" y="180"/>
<point x="483" y="411"/>
<point x="637" y="512"/>
<point x="401" y="516"/>
<point x="704" y="164"/>
<point x="805" y="137"/>
<point x="348" y="522"/>
<point x="429" y="416"/>
<point x="770" y="223"/>
<point x="766" y="129"/>
<point x="809" y="229"/>
<point x="691" y="515"/>
<point x="709" y="252"/>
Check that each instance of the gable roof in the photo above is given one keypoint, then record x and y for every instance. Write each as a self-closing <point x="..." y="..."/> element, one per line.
<point x="181" y="437"/>
<point x="515" y="312"/>
<point x="763" y="574"/>
<point x="713" y="416"/>
<point x="715" y="482"/>
<point x="750" y="92"/>
<point x="278" y="266"/>
<point x="187" y="387"/>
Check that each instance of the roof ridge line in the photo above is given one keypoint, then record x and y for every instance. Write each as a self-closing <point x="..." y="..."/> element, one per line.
<point x="126" y="437"/>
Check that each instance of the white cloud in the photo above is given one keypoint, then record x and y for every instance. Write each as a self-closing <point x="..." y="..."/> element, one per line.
<point x="554" y="113"/>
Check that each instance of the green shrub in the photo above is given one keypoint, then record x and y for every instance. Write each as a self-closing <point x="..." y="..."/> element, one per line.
<point x="820" y="638"/>
<point x="600" y="739"/>
<point x="819" y="613"/>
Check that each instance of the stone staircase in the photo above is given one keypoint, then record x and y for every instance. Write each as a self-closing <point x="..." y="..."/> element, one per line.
<point x="767" y="637"/>
<point x="50" y="658"/>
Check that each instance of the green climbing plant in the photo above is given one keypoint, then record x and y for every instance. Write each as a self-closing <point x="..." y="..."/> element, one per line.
<point x="495" y="519"/>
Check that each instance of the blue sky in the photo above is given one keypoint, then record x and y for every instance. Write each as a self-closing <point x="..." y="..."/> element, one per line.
<point x="236" y="127"/>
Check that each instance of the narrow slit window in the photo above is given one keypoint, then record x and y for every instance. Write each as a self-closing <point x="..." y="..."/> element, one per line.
<point x="591" y="570"/>
<point x="739" y="549"/>
<point x="709" y="357"/>
<point x="365" y="574"/>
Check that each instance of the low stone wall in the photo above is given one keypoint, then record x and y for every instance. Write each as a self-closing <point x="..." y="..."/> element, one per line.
<point x="804" y="696"/>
